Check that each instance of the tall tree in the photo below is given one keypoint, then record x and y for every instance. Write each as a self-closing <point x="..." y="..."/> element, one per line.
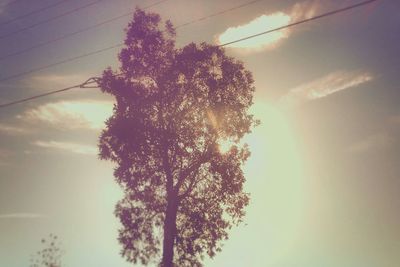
<point x="174" y="106"/>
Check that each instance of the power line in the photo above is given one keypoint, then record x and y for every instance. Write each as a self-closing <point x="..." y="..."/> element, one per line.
<point x="76" y="32"/>
<point x="218" y="13"/>
<point x="301" y="21"/>
<point x="50" y="19"/>
<point x="221" y="45"/>
<point x="61" y="62"/>
<point x="38" y="96"/>
<point x="115" y="19"/>
<point x="33" y="12"/>
<point x="72" y="58"/>
<point x="86" y="84"/>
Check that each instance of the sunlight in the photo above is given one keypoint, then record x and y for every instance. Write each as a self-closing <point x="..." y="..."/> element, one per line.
<point x="259" y="24"/>
<point x="275" y="180"/>
<point x="224" y="145"/>
<point x="275" y="163"/>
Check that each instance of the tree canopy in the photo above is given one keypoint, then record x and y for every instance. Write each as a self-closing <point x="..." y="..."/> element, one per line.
<point x="174" y="106"/>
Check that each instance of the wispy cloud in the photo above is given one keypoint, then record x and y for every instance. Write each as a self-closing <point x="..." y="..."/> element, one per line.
<point x="13" y="130"/>
<point x="325" y="86"/>
<point x="69" y="147"/>
<point x="56" y="80"/>
<point x="266" y="22"/>
<point x="22" y="216"/>
<point x="255" y="26"/>
<point x="87" y="114"/>
<point x="305" y="10"/>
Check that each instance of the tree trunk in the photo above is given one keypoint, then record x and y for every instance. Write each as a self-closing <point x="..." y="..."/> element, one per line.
<point x="169" y="233"/>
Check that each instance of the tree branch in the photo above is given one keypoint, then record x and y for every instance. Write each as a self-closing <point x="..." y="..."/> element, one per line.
<point x="192" y="184"/>
<point x="193" y="167"/>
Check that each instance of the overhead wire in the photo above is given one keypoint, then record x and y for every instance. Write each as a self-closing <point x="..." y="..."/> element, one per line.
<point x="220" y="45"/>
<point x="71" y="58"/>
<point x="33" y="12"/>
<point x="115" y="19"/>
<point x="217" y="13"/>
<point x="61" y="62"/>
<point x="301" y="22"/>
<point x="87" y="84"/>
<point x="39" y="96"/>
<point x="330" y="13"/>
<point x="120" y="44"/>
<point x="75" y="32"/>
<point x="50" y="19"/>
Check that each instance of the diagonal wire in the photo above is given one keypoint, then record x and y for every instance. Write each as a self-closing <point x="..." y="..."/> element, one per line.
<point x="33" y="12"/>
<point x="112" y="20"/>
<point x="61" y="62"/>
<point x="87" y="84"/>
<point x="39" y="96"/>
<point x="221" y="45"/>
<point x="301" y="22"/>
<point x="217" y="13"/>
<point x="72" y="58"/>
<point x="50" y="19"/>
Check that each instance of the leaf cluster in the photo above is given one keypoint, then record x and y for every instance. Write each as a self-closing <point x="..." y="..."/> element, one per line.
<point x="50" y="255"/>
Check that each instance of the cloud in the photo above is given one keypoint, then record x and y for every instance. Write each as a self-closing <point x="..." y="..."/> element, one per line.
<point x="70" y="147"/>
<point x="299" y="11"/>
<point x="372" y="142"/>
<point x="13" y="130"/>
<point x="56" y="80"/>
<point x="22" y="216"/>
<point x="86" y="114"/>
<point x="255" y="26"/>
<point x="305" y="10"/>
<point x="325" y="86"/>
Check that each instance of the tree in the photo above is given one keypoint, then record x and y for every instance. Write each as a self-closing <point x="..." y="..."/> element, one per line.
<point x="49" y="255"/>
<point x="174" y="106"/>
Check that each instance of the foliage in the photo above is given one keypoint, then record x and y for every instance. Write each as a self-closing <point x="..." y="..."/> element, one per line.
<point x="174" y="106"/>
<point x="49" y="255"/>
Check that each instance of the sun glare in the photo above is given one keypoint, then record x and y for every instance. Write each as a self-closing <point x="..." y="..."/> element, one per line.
<point x="275" y="180"/>
<point x="276" y="158"/>
<point x="260" y="24"/>
<point x="224" y="146"/>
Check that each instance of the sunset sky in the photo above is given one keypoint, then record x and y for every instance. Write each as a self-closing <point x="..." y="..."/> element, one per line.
<point x="324" y="174"/>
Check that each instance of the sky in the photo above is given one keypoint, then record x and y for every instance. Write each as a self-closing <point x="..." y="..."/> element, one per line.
<point x="323" y="176"/>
